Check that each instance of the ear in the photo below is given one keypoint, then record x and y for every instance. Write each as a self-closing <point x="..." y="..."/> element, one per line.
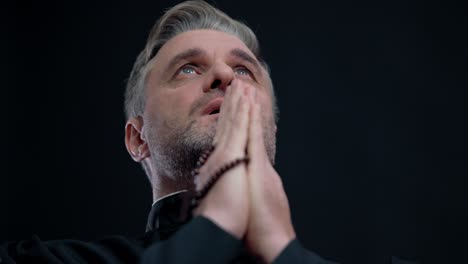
<point x="136" y="144"/>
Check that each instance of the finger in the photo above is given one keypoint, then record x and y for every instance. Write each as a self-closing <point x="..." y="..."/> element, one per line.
<point x="256" y="147"/>
<point x="240" y="124"/>
<point x="234" y="100"/>
<point x="222" y="118"/>
<point x="238" y="130"/>
<point x="227" y="113"/>
<point x="250" y="93"/>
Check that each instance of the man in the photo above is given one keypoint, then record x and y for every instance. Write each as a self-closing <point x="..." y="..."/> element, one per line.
<point x="200" y="82"/>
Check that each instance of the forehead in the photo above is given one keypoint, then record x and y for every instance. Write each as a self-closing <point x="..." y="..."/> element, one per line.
<point x="213" y="42"/>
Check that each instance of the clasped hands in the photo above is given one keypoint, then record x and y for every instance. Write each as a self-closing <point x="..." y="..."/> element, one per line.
<point x="249" y="200"/>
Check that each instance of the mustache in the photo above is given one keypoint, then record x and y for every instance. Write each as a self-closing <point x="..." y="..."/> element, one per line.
<point x="204" y="100"/>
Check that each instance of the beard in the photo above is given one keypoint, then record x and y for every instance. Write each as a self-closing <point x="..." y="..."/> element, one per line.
<point x="175" y="152"/>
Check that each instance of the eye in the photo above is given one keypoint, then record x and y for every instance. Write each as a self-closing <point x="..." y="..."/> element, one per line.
<point x="187" y="69"/>
<point x="242" y="71"/>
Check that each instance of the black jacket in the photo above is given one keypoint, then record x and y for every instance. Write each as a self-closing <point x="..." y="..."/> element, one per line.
<point x="169" y="238"/>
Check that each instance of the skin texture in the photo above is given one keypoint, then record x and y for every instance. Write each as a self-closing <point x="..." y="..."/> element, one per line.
<point x="248" y="201"/>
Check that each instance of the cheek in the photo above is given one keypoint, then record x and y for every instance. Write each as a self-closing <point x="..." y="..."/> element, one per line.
<point x="171" y="105"/>
<point x="154" y="116"/>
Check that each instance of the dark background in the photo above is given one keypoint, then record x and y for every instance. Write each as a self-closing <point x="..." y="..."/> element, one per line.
<point x="371" y="141"/>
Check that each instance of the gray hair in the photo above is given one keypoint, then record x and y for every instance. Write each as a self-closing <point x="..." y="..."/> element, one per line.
<point x="186" y="16"/>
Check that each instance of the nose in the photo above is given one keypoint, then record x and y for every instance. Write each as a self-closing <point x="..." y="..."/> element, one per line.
<point x="221" y="77"/>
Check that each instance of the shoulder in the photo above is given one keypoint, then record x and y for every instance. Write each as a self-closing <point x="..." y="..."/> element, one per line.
<point x="110" y="249"/>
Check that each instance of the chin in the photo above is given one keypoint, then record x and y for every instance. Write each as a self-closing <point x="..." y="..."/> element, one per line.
<point x="205" y="131"/>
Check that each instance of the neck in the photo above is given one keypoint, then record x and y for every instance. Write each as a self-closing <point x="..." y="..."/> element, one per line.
<point x="163" y="185"/>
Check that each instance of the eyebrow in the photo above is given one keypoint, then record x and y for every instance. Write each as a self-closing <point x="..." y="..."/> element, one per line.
<point x="246" y="57"/>
<point x="185" y="55"/>
<point x="197" y="52"/>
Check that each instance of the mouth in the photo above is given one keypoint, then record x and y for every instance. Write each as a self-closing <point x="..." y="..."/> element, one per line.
<point x="213" y="107"/>
<point x="214" y="112"/>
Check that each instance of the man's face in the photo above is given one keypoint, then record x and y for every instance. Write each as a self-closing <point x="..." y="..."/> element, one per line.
<point x="185" y="88"/>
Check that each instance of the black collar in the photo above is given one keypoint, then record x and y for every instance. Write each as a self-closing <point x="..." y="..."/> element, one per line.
<point x="169" y="213"/>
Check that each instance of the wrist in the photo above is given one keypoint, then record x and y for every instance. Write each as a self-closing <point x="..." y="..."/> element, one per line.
<point x="226" y="222"/>
<point x="271" y="247"/>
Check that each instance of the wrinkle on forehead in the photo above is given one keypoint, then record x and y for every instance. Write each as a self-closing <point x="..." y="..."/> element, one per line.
<point x="203" y="38"/>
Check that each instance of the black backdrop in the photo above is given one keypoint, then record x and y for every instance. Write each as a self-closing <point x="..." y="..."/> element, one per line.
<point x="371" y="141"/>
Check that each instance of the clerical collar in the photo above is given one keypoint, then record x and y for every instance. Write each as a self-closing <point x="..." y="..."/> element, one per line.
<point x="167" y="195"/>
<point x="169" y="213"/>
